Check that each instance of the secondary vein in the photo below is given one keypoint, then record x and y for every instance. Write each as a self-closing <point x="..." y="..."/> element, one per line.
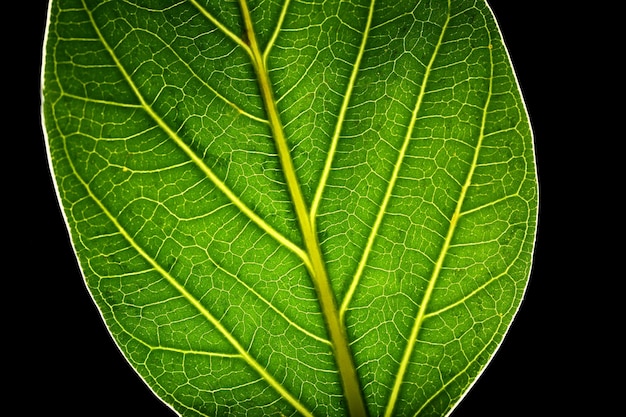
<point x="241" y="351"/>
<point x="317" y="268"/>
<point x="270" y="305"/>
<point x="342" y="114"/>
<point x="279" y="237"/>
<point x="220" y="26"/>
<point x="421" y="314"/>
<point x="390" y="187"/>
<point x="219" y="95"/>
<point x="279" y="26"/>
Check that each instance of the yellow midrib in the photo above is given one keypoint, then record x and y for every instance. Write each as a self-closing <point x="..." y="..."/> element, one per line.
<point x="344" y="359"/>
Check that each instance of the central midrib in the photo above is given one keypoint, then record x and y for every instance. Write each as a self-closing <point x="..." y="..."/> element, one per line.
<point x="344" y="359"/>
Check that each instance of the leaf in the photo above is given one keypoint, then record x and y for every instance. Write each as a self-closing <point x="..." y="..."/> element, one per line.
<point x="318" y="208"/>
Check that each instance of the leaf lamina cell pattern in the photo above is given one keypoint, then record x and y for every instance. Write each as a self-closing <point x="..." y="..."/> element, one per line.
<point x="317" y="208"/>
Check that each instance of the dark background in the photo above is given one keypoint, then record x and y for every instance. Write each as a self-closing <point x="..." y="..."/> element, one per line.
<point x="62" y="360"/>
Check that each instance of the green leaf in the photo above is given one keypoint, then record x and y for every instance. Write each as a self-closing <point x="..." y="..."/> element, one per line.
<point x="294" y="207"/>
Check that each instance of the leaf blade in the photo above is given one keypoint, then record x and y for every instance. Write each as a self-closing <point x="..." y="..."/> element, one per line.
<point x="429" y="276"/>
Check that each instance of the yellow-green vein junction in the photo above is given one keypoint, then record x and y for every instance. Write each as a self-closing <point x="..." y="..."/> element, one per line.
<point x="342" y="116"/>
<point x="220" y="26"/>
<point x="279" y="25"/>
<point x="195" y="158"/>
<point x="245" y="355"/>
<point x="209" y="87"/>
<point x="291" y="322"/>
<point x="317" y="268"/>
<point x="249" y="359"/>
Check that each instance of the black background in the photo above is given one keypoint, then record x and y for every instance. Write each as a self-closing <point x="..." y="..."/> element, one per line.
<point x="62" y="360"/>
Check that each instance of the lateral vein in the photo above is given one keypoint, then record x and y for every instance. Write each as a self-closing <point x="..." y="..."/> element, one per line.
<point x="279" y="237"/>
<point x="342" y="114"/>
<point x="213" y="90"/>
<point x="421" y="314"/>
<point x="344" y="359"/>
<point x="390" y="187"/>
<point x="221" y="26"/>
<point x="467" y="367"/>
<point x="279" y="26"/>
<point x="98" y="101"/>
<point x="271" y="306"/>
<point x="241" y="351"/>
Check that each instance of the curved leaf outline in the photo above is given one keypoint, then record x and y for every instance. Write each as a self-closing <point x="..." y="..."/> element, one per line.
<point x="288" y="207"/>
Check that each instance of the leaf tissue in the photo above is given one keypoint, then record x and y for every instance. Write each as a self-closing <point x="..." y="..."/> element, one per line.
<point x="294" y="207"/>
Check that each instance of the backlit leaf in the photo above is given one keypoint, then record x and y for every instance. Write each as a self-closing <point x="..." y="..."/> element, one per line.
<point x="287" y="207"/>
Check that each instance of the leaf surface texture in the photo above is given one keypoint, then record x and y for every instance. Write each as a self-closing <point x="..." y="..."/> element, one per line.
<point x="254" y="189"/>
